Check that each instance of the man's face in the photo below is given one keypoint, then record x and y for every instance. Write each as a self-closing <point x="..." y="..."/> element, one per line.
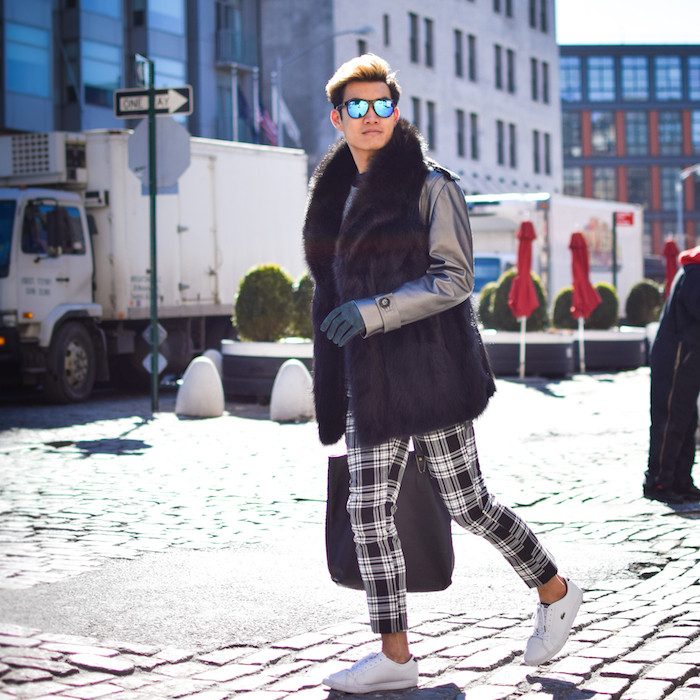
<point x="370" y="133"/>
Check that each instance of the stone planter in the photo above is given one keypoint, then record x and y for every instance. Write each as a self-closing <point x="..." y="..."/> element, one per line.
<point x="249" y="369"/>
<point x="612" y="350"/>
<point x="546" y="354"/>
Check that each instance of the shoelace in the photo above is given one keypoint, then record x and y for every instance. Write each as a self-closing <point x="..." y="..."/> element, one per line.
<point x="539" y="618"/>
<point x="369" y="660"/>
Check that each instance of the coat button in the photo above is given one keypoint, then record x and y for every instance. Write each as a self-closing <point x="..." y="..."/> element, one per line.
<point x="385" y="302"/>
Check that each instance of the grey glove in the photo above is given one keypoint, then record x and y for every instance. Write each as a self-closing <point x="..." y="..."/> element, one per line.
<point x="343" y="323"/>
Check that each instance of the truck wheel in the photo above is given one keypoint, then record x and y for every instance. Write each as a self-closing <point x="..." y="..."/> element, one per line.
<point x="70" y="364"/>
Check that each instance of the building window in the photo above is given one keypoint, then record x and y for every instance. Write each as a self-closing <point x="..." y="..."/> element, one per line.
<point x="510" y="70"/>
<point x="536" y="151"/>
<point x="415" y="104"/>
<point x="102" y="71"/>
<point x="386" y="26"/>
<point x="167" y="16"/>
<point x="496" y="5"/>
<point x="544" y="23"/>
<point x="635" y="78"/>
<point x="413" y="36"/>
<point x="500" y="143"/>
<point x="512" y="146"/>
<point x="695" y="130"/>
<point x="605" y="183"/>
<point x="432" y="124"/>
<point x="461" y="150"/>
<point x="573" y="182"/>
<point x="668" y="78"/>
<point x="670" y="134"/>
<point x="361" y="47"/>
<point x="637" y="133"/>
<point x="474" y="136"/>
<point x="498" y="66"/>
<point x="509" y="8"/>
<point x="471" y="46"/>
<point x="533" y="14"/>
<point x="547" y="154"/>
<point x="571" y="134"/>
<point x="108" y="8"/>
<point x="669" y="178"/>
<point x="601" y="78"/>
<point x="694" y="77"/>
<point x="638" y="189"/>
<point x="603" y="133"/>
<point x="459" y="54"/>
<point x="545" y="82"/>
<point x="428" y="25"/>
<point x="534" y="80"/>
<point x="570" y="78"/>
<point x="27" y="60"/>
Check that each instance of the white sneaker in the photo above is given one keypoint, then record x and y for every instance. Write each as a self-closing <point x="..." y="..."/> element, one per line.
<point x="373" y="673"/>
<point x="552" y="626"/>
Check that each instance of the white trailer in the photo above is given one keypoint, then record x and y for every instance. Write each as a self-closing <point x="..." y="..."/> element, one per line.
<point x="495" y="220"/>
<point x="75" y="252"/>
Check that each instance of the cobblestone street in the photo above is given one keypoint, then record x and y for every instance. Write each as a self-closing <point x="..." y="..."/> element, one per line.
<point x="147" y="558"/>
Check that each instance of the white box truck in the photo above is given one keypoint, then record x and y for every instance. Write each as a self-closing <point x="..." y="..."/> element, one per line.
<point x="75" y="252"/>
<point x="495" y="220"/>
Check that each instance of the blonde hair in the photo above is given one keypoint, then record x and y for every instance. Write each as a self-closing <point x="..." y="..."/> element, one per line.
<point x="366" y="68"/>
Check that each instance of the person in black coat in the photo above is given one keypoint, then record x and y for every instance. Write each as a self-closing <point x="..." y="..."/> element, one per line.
<point x="675" y="384"/>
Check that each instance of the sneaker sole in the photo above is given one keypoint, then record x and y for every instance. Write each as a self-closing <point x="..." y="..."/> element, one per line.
<point x="393" y="685"/>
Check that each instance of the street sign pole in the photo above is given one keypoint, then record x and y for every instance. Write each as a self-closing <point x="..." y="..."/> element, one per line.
<point x="614" y="251"/>
<point x="152" y="192"/>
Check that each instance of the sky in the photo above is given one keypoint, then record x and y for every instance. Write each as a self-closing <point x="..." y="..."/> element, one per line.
<point x="628" y="21"/>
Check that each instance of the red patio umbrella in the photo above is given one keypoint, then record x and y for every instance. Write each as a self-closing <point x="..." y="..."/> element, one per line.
<point x="585" y="296"/>
<point x="522" y="298"/>
<point x="670" y="252"/>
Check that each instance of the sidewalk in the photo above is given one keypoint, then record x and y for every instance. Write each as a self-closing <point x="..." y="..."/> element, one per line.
<point x="93" y="489"/>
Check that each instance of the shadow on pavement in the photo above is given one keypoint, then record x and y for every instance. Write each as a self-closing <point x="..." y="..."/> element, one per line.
<point x="440" y="692"/>
<point x="558" y="690"/>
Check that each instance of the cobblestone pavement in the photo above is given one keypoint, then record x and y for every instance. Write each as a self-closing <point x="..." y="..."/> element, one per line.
<point x="88" y="485"/>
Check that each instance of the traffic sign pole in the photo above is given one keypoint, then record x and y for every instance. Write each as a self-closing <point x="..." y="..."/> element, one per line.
<point x="152" y="192"/>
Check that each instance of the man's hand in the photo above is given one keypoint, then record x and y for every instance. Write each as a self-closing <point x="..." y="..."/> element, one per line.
<point x="343" y="323"/>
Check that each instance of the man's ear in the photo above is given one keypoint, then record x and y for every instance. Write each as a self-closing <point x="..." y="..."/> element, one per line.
<point x="336" y="120"/>
<point x="396" y="114"/>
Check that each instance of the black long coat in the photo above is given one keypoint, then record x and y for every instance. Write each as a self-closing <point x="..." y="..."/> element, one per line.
<point x="426" y="375"/>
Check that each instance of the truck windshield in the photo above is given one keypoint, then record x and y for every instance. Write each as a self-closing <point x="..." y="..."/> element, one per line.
<point x="7" y="218"/>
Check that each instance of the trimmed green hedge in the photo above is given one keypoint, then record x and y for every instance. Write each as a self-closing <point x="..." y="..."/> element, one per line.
<point x="502" y="318"/>
<point x="644" y="303"/>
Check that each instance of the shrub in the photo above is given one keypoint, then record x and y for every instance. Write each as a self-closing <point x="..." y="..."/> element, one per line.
<point x="605" y="315"/>
<point x="301" y="326"/>
<point x="502" y="317"/>
<point x="561" y="314"/>
<point x="264" y="304"/>
<point x="485" y="309"/>
<point x="644" y="303"/>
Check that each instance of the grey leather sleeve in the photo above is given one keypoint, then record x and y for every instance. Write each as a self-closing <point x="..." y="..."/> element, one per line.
<point x="450" y="278"/>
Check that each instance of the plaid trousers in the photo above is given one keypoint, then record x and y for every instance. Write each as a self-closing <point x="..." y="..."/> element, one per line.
<point x="375" y="479"/>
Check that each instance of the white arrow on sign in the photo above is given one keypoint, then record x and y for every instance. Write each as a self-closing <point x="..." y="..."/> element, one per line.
<point x="172" y="101"/>
<point x="165" y="102"/>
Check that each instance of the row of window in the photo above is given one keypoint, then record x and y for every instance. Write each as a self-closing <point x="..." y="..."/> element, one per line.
<point x="629" y="78"/>
<point x="163" y="15"/>
<point x="637" y="182"/>
<point x="468" y="138"/>
<point x="537" y="12"/>
<point x="667" y="125"/>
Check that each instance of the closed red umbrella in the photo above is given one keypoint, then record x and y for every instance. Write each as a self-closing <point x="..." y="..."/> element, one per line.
<point x="585" y="296"/>
<point x="670" y="252"/>
<point x="522" y="297"/>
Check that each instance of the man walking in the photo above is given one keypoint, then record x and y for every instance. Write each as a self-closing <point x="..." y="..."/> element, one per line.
<point x="675" y="384"/>
<point x="397" y="355"/>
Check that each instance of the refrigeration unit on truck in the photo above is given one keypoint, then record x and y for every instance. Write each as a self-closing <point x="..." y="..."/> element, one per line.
<point x="495" y="220"/>
<point x="75" y="252"/>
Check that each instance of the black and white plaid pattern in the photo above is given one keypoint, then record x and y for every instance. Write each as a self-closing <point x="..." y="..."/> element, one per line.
<point x="375" y="479"/>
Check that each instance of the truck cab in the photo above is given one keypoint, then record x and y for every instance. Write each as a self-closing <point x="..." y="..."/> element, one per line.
<point x="46" y="293"/>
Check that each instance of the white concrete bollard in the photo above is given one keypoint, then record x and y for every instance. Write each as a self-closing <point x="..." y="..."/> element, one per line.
<point x="217" y="358"/>
<point x="201" y="394"/>
<point x="292" y="398"/>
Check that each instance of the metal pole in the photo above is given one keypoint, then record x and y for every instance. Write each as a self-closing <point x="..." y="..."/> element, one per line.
<point x="614" y="251"/>
<point x="278" y="106"/>
<point x="679" y="211"/>
<point x="234" y="102"/>
<point x="152" y="192"/>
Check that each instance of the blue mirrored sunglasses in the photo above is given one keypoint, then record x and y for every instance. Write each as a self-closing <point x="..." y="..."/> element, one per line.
<point x="357" y="109"/>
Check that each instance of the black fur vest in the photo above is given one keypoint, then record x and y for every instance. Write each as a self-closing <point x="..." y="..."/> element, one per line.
<point x="426" y="375"/>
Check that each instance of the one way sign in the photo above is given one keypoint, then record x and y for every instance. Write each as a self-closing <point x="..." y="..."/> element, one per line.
<point x="133" y="103"/>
